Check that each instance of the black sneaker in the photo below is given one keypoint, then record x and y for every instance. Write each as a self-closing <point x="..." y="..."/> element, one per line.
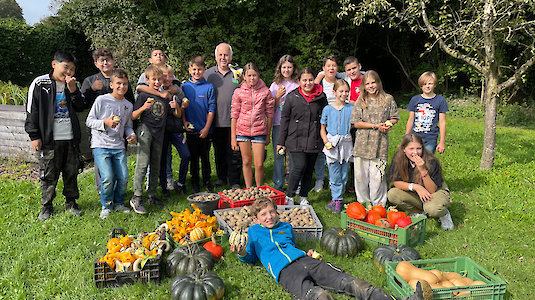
<point x="180" y="189"/>
<point x="166" y="194"/>
<point x="46" y="212"/>
<point x="195" y="188"/>
<point x="208" y="186"/>
<point x="153" y="200"/>
<point x="73" y="208"/>
<point x="137" y="205"/>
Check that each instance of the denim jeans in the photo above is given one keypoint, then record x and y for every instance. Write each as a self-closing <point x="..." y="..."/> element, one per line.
<point x="338" y="178"/>
<point x="319" y="166"/>
<point x="278" y="163"/>
<point x="431" y="145"/>
<point x="166" y="171"/>
<point x="113" y="175"/>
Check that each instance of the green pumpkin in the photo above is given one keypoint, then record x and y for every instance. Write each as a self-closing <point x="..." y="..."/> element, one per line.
<point x="197" y="287"/>
<point x="341" y="242"/>
<point x="188" y="259"/>
<point x="393" y="252"/>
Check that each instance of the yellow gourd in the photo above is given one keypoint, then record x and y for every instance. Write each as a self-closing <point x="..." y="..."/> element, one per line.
<point x="408" y="271"/>
<point x="196" y="234"/>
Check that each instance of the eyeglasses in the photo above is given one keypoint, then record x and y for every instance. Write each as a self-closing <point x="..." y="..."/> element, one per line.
<point x="103" y="60"/>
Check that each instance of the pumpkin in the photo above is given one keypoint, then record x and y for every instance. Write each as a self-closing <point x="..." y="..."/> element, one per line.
<point x="384" y="222"/>
<point x="403" y="221"/>
<point x="372" y="217"/>
<point x="356" y="211"/>
<point x="188" y="259"/>
<point x="341" y="242"/>
<point x="393" y="214"/>
<point x="393" y="252"/>
<point x="197" y="286"/>
<point x="380" y="209"/>
<point x="196" y="234"/>
<point x="214" y="248"/>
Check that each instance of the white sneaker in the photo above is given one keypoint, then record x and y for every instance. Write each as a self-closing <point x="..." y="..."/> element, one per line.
<point x="318" y="186"/>
<point x="289" y="200"/>
<point x="170" y="184"/>
<point x="104" y="213"/>
<point x="446" y="222"/>
<point x="303" y="201"/>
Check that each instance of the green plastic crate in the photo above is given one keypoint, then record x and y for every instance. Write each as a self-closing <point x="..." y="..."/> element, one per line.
<point x="411" y="235"/>
<point x="493" y="290"/>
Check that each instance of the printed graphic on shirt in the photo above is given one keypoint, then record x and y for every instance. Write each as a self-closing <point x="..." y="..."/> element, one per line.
<point x="158" y="109"/>
<point x="61" y="112"/>
<point x="423" y="117"/>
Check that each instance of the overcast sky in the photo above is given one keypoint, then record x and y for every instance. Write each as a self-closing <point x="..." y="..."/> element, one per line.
<point x="34" y="10"/>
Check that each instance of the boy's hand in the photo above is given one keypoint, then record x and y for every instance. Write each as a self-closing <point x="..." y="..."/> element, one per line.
<point x="441" y="147"/>
<point x="97" y="84"/>
<point x="148" y="104"/>
<point x="172" y="103"/>
<point x="185" y="103"/>
<point x="240" y="250"/>
<point x="204" y="132"/>
<point x="312" y="253"/>
<point x="36" y="144"/>
<point x="188" y="126"/>
<point x="132" y="139"/>
<point x="71" y="83"/>
<point x="111" y="121"/>
<point x="165" y="94"/>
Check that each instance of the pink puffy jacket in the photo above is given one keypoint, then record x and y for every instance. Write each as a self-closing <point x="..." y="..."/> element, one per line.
<point x="250" y="107"/>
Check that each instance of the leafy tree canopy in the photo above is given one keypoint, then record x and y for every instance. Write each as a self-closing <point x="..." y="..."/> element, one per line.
<point x="10" y="9"/>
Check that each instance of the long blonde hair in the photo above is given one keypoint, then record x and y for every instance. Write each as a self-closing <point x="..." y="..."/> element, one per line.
<point x="365" y="96"/>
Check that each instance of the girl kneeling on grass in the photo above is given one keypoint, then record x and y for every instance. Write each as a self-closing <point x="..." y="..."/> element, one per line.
<point x="251" y="118"/>
<point x="335" y="134"/>
<point x="418" y="183"/>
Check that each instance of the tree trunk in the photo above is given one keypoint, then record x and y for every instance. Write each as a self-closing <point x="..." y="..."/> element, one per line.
<point x="489" y="140"/>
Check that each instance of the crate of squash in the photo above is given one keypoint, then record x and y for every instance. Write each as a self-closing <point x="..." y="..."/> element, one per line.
<point x="305" y="222"/>
<point x="238" y="198"/>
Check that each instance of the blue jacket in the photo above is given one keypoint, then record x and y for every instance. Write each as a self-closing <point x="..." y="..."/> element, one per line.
<point x="201" y="95"/>
<point x="274" y="247"/>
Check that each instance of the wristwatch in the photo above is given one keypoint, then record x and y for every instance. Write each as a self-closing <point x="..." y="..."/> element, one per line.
<point x="411" y="186"/>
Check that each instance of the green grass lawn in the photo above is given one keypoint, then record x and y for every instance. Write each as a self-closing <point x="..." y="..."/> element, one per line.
<point x="493" y="211"/>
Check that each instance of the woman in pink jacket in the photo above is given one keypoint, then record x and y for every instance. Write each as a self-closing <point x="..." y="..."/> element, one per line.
<point x="251" y="116"/>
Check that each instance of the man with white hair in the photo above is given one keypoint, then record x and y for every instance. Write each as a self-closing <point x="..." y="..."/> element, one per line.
<point x="228" y="162"/>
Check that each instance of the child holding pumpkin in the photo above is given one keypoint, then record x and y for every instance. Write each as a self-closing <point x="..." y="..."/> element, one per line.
<point x="418" y="183"/>
<point x="273" y="243"/>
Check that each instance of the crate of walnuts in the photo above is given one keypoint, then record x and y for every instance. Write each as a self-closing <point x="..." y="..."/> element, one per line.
<point x="305" y="222"/>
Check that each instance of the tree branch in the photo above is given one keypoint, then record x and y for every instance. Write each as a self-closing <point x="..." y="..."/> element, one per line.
<point x="516" y="76"/>
<point x="400" y="63"/>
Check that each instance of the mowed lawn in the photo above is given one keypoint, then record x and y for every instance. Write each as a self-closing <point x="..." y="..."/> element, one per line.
<point x="494" y="213"/>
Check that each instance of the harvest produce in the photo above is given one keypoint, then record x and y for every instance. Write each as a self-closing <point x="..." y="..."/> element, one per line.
<point x="189" y="259"/>
<point x="214" y="248"/>
<point x="250" y="193"/>
<point x="341" y="242"/>
<point x="128" y="254"/>
<point x="393" y="252"/>
<point x="188" y="226"/>
<point x="202" y="197"/>
<point x="197" y="286"/>
<point x="238" y="238"/>
<point x="378" y="215"/>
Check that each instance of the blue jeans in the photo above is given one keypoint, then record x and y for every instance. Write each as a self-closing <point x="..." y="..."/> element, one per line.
<point x="113" y="170"/>
<point x="278" y="163"/>
<point x="431" y="145"/>
<point x="338" y="178"/>
<point x="166" y="171"/>
<point x="319" y="167"/>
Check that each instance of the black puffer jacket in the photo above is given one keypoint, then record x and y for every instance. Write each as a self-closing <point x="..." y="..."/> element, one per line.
<point x="41" y="108"/>
<point x="300" y="123"/>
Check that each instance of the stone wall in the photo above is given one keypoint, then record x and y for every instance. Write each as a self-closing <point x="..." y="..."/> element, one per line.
<point x="14" y="141"/>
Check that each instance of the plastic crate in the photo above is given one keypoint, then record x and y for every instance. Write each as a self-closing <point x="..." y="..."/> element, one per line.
<point x="224" y="202"/>
<point x="411" y="235"/>
<point x="106" y="277"/>
<point x="300" y="233"/>
<point x="493" y="289"/>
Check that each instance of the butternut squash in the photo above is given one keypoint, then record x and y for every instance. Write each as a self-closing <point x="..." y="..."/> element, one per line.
<point x="478" y="282"/>
<point x="408" y="271"/>
<point x="450" y="276"/>
<point x="447" y="283"/>
<point x="437" y="273"/>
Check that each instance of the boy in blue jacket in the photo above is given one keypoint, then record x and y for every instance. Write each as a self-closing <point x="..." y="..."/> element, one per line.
<point x="273" y="243"/>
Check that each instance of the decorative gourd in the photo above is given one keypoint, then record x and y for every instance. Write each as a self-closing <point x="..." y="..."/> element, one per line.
<point x="393" y="214"/>
<point x="341" y="242"/>
<point x="196" y="234"/>
<point x="238" y="238"/>
<point x="380" y="209"/>
<point x="393" y="252"/>
<point x="372" y="217"/>
<point x="403" y="221"/>
<point x="384" y="222"/>
<point x="188" y="259"/>
<point x="214" y="248"/>
<point x="356" y="211"/>
<point x="197" y="286"/>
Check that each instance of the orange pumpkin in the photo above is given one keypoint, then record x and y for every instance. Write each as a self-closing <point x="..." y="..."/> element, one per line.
<point x="380" y="209"/>
<point x="356" y="211"/>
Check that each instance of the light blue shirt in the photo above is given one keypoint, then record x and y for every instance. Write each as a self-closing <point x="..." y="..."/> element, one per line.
<point x="338" y="121"/>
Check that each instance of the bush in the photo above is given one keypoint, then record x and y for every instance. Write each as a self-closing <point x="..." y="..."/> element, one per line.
<point x="12" y="94"/>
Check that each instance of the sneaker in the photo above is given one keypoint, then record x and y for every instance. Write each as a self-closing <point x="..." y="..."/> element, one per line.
<point x="170" y="184"/>
<point x="303" y="201"/>
<point x="121" y="208"/>
<point x="155" y="201"/>
<point x="105" y="213"/>
<point x="166" y="194"/>
<point x="137" y="205"/>
<point x="46" y="212"/>
<point x="73" y="208"/>
<point x="289" y="200"/>
<point x="179" y="188"/>
<point x="330" y="206"/>
<point x="318" y="186"/>
<point x="337" y="209"/>
<point x="446" y="222"/>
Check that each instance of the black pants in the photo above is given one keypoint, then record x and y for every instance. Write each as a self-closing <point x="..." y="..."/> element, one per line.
<point x="306" y="273"/>
<point x="301" y="171"/>
<point x="63" y="159"/>
<point x="199" y="148"/>
<point x="228" y="162"/>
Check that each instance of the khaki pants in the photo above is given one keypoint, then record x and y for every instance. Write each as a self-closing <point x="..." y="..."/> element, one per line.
<point x="411" y="203"/>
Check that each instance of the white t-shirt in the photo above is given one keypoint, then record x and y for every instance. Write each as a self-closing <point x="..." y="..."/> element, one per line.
<point x="62" y="120"/>
<point x="328" y="90"/>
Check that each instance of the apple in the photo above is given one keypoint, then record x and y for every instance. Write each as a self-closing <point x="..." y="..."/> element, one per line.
<point x="185" y="100"/>
<point x="316" y="255"/>
<point x="116" y="118"/>
<point x="190" y="126"/>
<point x="329" y="145"/>
<point x="281" y="151"/>
<point x="388" y="123"/>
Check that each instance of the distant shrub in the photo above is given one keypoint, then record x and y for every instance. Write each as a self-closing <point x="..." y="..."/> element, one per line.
<point x="12" y="94"/>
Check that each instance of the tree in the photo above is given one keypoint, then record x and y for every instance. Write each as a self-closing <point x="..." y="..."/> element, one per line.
<point x="10" y="9"/>
<point x="496" y="37"/>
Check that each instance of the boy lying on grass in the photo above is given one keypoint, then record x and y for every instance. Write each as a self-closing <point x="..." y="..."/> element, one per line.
<point x="273" y="243"/>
